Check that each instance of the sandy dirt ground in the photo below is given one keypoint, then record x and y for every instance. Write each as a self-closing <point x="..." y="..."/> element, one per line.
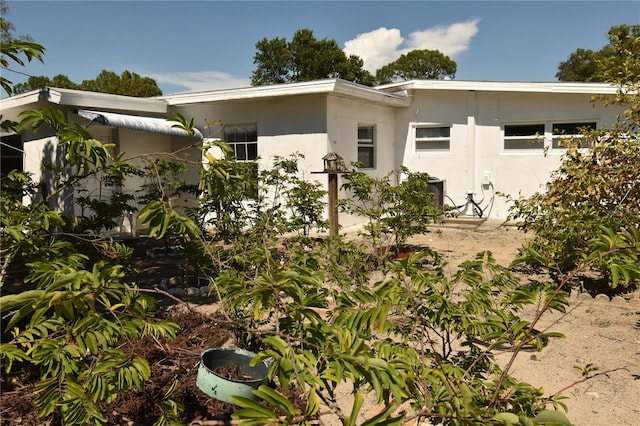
<point x="605" y="334"/>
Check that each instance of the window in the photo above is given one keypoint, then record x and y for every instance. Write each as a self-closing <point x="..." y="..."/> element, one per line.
<point x="243" y="138"/>
<point x="572" y="131"/>
<point x="433" y="138"/>
<point x="244" y="141"/>
<point x="366" y="147"/>
<point x="11" y="154"/>
<point x="524" y="136"/>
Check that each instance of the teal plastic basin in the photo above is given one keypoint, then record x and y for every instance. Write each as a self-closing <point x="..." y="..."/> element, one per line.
<point x="223" y="388"/>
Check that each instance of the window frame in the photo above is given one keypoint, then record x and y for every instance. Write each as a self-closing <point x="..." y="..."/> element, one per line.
<point x="248" y="146"/>
<point x="252" y="189"/>
<point x="556" y="138"/>
<point x="446" y="140"/>
<point x="367" y="145"/>
<point x="548" y="140"/>
<point x="529" y="142"/>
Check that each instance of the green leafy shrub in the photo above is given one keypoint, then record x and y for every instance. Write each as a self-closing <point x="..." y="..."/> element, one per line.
<point x="593" y="188"/>
<point x="77" y="317"/>
<point x="395" y="207"/>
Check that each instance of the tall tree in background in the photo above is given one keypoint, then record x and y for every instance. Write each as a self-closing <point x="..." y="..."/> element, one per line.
<point x="305" y="58"/>
<point x="273" y="61"/>
<point x="598" y="66"/>
<point x="128" y="84"/>
<point x="38" y="81"/>
<point x="418" y="64"/>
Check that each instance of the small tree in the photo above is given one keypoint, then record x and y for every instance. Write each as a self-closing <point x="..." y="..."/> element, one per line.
<point x="224" y="186"/>
<point x="395" y="206"/>
<point x="74" y="323"/>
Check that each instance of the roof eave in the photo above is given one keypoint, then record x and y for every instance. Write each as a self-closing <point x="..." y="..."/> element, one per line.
<point x="21" y="100"/>
<point x="84" y="99"/>
<point x="332" y="86"/>
<point x="502" y="86"/>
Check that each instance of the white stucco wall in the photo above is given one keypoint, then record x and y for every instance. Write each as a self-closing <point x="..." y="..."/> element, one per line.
<point x="40" y="151"/>
<point x="285" y="125"/>
<point x="477" y="121"/>
<point x="312" y="125"/>
<point x="343" y="118"/>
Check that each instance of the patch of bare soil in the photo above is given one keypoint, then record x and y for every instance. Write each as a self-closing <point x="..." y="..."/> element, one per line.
<point x="602" y="334"/>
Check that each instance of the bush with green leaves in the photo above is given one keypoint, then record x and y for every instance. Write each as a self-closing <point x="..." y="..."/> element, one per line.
<point x="594" y="187"/>
<point x="395" y="206"/>
<point x="239" y="200"/>
<point x="415" y="337"/>
<point x="162" y="180"/>
<point x="591" y="189"/>
<point x="78" y="317"/>
<point x="75" y="327"/>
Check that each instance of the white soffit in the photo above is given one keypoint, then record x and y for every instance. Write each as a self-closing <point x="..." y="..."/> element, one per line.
<point x="134" y="122"/>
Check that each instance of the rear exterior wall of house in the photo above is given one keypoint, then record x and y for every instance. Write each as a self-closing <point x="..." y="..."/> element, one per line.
<point x="483" y="143"/>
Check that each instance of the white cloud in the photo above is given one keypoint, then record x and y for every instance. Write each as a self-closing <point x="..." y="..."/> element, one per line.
<point x="200" y="80"/>
<point x="375" y="47"/>
<point x="382" y="46"/>
<point x="450" y="40"/>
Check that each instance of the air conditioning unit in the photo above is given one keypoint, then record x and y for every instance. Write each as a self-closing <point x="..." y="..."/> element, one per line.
<point x="436" y="187"/>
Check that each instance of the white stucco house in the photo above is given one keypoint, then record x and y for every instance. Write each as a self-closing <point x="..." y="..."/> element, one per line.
<point x="474" y="138"/>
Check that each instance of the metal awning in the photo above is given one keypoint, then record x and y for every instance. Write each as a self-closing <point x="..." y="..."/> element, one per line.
<point x="135" y="122"/>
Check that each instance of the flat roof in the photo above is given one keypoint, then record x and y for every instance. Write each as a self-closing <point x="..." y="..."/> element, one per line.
<point x="85" y="99"/>
<point x="336" y="87"/>
<point x="395" y="94"/>
<point x="503" y="86"/>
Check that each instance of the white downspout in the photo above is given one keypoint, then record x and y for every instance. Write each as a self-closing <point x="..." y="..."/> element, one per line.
<point x="471" y="141"/>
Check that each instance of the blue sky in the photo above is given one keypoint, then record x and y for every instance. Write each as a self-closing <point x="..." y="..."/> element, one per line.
<point x="203" y="45"/>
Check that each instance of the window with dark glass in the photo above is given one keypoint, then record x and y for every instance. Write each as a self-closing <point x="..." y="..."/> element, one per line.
<point x="563" y="132"/>
<point x="12" y="154"/>
<point x="366" y="147"/>
<point x="243" y="138"/>
<point x="433" y="138"/>
<point x="244" y="141"/>
<point x="524" y="136"/>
